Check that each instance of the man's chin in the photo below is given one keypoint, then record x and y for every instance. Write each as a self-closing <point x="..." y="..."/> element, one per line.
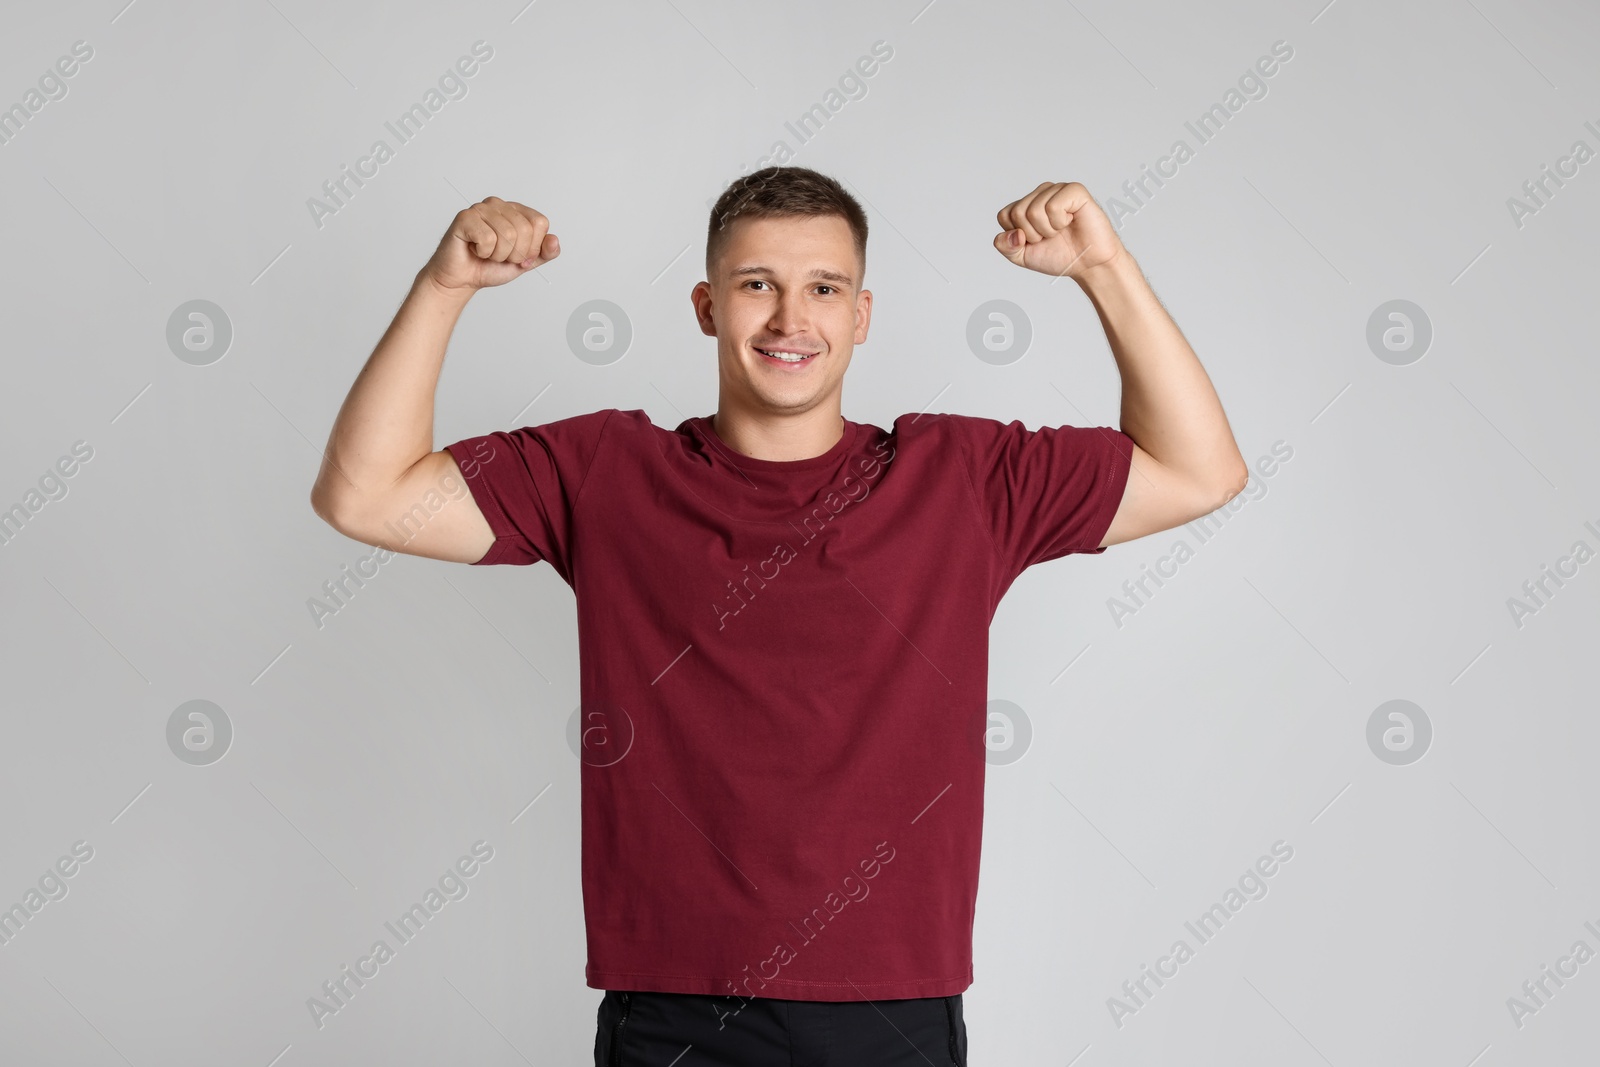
<point x="784" y="401"/>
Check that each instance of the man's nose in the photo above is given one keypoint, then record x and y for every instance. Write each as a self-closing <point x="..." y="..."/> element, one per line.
<point x="790" y="314"/>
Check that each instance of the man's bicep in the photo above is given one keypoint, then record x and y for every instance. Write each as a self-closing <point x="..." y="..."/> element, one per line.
<point x="1155" y="498"/>
<point x="429" y="511"/>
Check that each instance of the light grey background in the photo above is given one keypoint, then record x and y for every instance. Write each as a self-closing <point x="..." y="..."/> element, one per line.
<point x="1228" y="713"/>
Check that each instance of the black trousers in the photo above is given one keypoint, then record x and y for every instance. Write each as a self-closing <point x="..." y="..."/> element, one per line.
<point x="692" y="1030"/>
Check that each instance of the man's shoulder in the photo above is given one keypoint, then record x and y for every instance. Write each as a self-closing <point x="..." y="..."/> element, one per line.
<point x="592" y="424"/>
<point x="569" y="438"/>
<point x="586" y="420"/>
<point x="947" y="421"/>
<point x="627" y="434"/>
<point x="943" y="427"/>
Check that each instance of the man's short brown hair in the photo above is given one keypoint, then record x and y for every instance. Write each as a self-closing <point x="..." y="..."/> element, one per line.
<point x="784" y="192"/>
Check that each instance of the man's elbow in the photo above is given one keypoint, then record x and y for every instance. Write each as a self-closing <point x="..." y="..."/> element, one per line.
<point x="330" y="507"/>
<point x="320" y="504"/>
<point x="1224" y="489"/>
<point x="1240" y="479"/>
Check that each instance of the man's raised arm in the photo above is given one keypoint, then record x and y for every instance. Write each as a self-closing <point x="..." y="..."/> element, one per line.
<point x="380" y="462"/>
<point x="1185" y="461"/>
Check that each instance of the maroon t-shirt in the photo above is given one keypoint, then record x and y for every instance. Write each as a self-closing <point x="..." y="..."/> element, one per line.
<point x="784" y="672"/>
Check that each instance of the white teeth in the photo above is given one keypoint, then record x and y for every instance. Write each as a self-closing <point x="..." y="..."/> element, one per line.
<point x="787" y="357"/>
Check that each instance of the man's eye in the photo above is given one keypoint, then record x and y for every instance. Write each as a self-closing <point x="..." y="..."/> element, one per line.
<point x="756" y="281"/>
<point x="827" y="287"/>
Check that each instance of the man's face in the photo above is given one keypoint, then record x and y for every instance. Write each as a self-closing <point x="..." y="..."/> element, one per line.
<point x="784" y="287"/>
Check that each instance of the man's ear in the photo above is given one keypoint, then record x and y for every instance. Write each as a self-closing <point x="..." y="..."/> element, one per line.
<point x="863" y="314"/>
<point x="700" y="297"/>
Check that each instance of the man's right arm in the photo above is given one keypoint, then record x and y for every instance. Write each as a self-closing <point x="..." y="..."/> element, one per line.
<point x="380" y="463"/>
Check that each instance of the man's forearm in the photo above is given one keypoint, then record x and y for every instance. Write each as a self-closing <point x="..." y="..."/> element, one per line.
<point x="1169" y="406"/>
<point x="386" y="422"/>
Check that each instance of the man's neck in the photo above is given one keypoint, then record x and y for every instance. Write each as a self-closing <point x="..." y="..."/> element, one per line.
<point x="779" y="438"/>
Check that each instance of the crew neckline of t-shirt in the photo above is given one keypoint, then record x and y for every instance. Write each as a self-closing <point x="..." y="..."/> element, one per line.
<point x="701" y="425"/>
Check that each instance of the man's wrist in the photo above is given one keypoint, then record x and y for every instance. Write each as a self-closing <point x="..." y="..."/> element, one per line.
<point x="1118" y="270"/>
<point x="430" y="286"/>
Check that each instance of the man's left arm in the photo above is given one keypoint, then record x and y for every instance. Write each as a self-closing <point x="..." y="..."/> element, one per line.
<point x="1185" y="461"/>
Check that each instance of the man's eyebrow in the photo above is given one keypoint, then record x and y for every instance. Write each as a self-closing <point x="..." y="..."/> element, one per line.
<point x="816" y="272"/>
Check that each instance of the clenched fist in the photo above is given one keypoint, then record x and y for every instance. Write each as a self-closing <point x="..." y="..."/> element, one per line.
<point x="1057" y="229"/>
<point x="490" y="243"/>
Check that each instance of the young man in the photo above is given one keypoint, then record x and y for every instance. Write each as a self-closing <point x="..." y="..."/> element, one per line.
<point x="783" y="615"/>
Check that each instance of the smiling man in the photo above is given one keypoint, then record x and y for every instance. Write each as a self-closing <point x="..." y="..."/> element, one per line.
<point x="783" y="615"/>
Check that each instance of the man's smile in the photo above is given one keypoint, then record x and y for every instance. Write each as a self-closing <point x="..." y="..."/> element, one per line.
<point x="784" y="354"/>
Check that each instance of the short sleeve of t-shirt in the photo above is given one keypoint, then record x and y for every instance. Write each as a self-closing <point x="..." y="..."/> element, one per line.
<point x="527" y="483"/>
<point x="1044" y="493"/>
